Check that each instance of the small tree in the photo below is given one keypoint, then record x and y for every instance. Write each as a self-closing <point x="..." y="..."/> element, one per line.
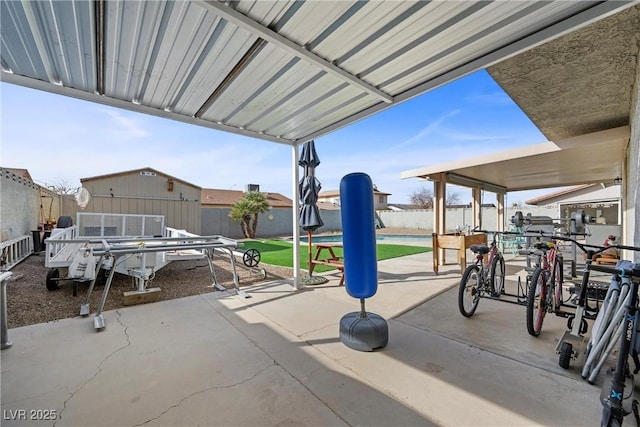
<point x="423" y="197"/>
<point x="246" y="211"/>
<point x="453" y="198"/>
<point x="63" y="187"/>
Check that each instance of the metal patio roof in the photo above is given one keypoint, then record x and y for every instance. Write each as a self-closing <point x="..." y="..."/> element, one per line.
<point x="284" y="71"/>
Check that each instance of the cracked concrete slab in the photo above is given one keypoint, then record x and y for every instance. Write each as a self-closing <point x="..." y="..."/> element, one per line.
<point x="276" y="359"/>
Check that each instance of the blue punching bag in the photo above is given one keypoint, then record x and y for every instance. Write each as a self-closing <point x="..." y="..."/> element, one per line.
<point x="358" y="235"/>
<point x="360" y="331"/>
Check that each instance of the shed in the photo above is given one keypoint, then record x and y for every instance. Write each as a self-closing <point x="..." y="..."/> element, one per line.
<point x="146" y="192"/>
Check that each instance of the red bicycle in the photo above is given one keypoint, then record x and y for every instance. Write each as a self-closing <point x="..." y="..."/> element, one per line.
<point x="544" y="286"/>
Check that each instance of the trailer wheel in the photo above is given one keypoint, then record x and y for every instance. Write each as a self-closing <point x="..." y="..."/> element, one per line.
<point x="64" y="222"/>
<point x="52" y="275"/>
<point x="565" y="355"/>
<point x="251" y="257"/>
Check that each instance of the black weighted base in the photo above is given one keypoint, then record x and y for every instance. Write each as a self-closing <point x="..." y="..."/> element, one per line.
<point x="364" y="332"/>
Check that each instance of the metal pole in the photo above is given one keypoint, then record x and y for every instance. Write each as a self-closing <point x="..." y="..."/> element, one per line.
<point x="296" y="212"/>
<point x="4" y="278"/>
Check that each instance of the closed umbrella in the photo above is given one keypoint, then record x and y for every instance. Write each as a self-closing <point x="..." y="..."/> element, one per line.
<point x="308" y="189"/>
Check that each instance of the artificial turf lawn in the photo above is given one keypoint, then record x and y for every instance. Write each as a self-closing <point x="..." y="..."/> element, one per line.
<point x="279" y="252"/>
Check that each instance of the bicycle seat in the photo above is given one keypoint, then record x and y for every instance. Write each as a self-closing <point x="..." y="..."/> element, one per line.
<point x="479" y="249"/>
<point x="543" y="245"/>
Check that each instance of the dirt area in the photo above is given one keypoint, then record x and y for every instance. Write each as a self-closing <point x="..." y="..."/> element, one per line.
<point x="29" y="301"/>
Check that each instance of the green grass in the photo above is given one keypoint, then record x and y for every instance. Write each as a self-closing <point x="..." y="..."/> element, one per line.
<point x="279" y="252"/>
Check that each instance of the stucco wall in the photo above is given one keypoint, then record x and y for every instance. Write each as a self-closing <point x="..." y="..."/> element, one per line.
<point x="632" y="215"/>
<point x="24" y="205"/>
<point x="276" y="222"/>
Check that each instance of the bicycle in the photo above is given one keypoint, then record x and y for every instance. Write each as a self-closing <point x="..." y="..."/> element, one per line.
<point x="614" y="401"/>
<point x="544" y="291"/>
<point x="482" y="279"/>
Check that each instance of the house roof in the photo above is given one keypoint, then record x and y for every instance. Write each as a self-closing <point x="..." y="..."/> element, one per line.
<point x="284" y="71"/>
<point x="584" y="193"/>
<point x="564" y="192"/>
<point x="215" y="197"/>
<point x="137" y="171"/>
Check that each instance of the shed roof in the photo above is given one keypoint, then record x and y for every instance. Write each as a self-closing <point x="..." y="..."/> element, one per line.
<point x="137" y="172"/>
<point x="285" y="71"/>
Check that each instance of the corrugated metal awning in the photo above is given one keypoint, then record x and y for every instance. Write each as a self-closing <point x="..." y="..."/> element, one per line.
<point x="285" y="71"/>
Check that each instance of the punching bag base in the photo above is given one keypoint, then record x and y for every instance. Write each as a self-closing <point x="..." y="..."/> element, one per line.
<point x="364" y="333"/>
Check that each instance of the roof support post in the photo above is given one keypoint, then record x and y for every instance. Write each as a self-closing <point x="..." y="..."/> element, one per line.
<point x="295" y="220"/>
<point x="500" y="213"/>
<point x="476" y="193"/>
<point x="440" y="196"/>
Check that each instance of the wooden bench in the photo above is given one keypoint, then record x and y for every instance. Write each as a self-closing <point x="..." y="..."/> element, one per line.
<point x="336" y="263"/>
<point x="332" y="260"/>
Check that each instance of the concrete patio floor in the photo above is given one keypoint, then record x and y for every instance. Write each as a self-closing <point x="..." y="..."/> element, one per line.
<point x="276" y="359"/>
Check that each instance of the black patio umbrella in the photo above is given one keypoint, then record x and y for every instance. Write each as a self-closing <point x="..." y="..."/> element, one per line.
<point x="308" y="189"/>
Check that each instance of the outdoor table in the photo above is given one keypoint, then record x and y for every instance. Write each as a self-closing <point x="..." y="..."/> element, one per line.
<point x="458" y="242"/>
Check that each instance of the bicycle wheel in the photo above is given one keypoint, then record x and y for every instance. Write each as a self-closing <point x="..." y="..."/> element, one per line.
<point x="497" y="276"/>
<point x="469" y="292"/>
<point x="556" y="282"/>
<point x="536" y="302"/>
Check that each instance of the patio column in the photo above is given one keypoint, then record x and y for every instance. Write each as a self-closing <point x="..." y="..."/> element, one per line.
<point x="439" y="222"/>
<point x="500" y="212"/>
<point x="476" y="193"/>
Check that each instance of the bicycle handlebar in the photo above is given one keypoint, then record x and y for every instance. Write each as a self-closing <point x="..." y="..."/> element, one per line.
<point x="629" y="272"/>
<point x="499" y="232"/>
<point x="583" y="246"/>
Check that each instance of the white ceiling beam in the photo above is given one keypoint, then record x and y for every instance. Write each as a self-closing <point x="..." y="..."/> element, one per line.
<point x="270" y="36"/>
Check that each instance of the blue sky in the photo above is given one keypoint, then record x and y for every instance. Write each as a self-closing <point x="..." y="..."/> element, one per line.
<point x="60" y="139"/>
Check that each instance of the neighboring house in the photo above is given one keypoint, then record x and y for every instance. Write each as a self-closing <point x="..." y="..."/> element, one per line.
<point x="216" y="205"/>
<point x="601" y="202"/>
<point x="214" y="198"/>
<point x="380" y="199"/>
<point x="146" y="191"/>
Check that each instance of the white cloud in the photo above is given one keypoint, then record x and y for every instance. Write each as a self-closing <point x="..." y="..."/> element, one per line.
<point x="432" y="128"/>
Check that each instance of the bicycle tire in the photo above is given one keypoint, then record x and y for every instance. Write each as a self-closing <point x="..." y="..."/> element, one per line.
<point x="556" y="282"/>
<point x="469" y="292"/>
<point x="536" y="302"/>
<point x="497" y="276"/>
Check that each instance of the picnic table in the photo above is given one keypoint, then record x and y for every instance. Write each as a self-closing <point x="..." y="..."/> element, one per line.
<point x="326" y="256"/>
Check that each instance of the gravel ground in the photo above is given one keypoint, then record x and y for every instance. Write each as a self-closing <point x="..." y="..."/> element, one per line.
<point x="29" y="302"/>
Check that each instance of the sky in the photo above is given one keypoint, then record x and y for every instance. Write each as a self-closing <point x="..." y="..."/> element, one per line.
<point x="61" y="140"/>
